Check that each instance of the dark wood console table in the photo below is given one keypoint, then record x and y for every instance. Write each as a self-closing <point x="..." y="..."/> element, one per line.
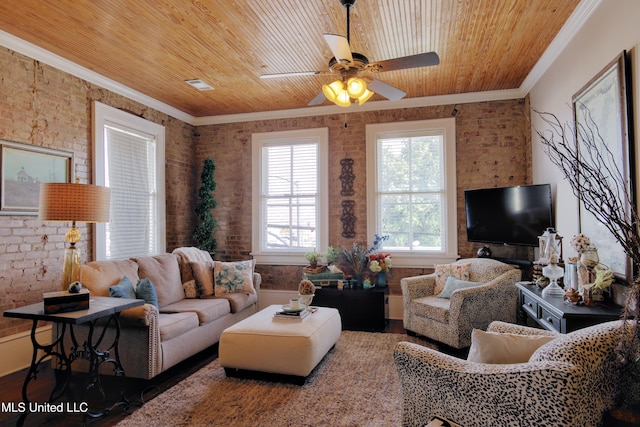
<point x="360" y="309"/>
<point x="554" y="314"/>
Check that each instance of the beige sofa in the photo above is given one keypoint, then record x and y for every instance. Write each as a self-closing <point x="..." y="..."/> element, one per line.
<point x="153" y="340"/>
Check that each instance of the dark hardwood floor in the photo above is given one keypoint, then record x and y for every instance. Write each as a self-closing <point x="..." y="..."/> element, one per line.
<point x="137" y="390"/>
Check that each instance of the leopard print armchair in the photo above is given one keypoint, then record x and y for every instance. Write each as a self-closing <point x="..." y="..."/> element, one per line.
<point x="570" y="381"/>
<point x="451" y="320"/>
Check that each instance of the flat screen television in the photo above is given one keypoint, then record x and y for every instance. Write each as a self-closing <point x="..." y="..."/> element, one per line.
<point x="508" y="215"/>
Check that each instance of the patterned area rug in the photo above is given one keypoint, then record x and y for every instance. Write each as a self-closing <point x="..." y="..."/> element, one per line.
<point x="356" y="384"/>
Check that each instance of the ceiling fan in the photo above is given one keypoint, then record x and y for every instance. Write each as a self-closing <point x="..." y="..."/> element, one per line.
<point x="349" y="65"/>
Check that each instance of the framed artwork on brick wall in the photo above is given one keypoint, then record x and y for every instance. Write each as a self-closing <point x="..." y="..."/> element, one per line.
<point x="601" y="110"/>
<point x="23" y="168"/>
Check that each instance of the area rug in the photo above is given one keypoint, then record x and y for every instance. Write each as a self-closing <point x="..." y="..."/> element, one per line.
<point x="356" y="384"/>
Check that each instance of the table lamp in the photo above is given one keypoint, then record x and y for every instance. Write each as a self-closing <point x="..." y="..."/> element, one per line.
<point x="71" y="202"/>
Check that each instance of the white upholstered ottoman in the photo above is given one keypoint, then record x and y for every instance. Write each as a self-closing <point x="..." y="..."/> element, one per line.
<point x="258" y="343"/>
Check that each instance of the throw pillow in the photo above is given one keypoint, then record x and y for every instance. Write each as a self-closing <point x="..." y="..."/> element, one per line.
<point x="442" y="271"/>
<point x="124" y="289"/>
<point x="146" y="291"/>
<point x="454" y="284"/>
<point x="233" y="277"/>
<point x="499" y="348"/>
<point x="203" y="275"/>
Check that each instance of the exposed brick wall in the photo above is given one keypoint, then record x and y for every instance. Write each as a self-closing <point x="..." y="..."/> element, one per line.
<point x="45" y="107"/>
<point x="493" y="150"/>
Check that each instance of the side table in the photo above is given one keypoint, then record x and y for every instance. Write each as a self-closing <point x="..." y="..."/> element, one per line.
<point x="92" y="349"/>
<point x="360" y="309"/>
<point x="553" y="314"/>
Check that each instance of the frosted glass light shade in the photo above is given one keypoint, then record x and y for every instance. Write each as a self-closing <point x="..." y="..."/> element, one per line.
<point x="331" y="91"/>
<point x="365" y="96"/>
<point x="356" y="87"/>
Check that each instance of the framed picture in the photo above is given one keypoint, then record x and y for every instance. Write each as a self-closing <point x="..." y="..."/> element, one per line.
<point x="602" y="106"/>
<point x="22" y="169"/>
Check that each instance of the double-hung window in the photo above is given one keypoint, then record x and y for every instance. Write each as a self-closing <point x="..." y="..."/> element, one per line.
<point x="411" y="190"/>
<point x="129" y="159"/>
<point x="290" y="201"/>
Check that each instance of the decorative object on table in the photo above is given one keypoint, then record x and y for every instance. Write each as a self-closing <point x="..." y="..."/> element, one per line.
<point x="587" y="259"/>
<point x="553" y="271"/>
<point x="75" y="288"/>
<point x="347" y="177"/>
<point x="603" y="280"/>
<point x="602" y="183"/>
<point x="332" y="255"/>
<point x="550" y="242"/>
<point x="484" y="252"/>
<point x="73" y="203"/>
<point x="571" y="274"/>
<point x="355" y="259"/>
<point x="203" y="235"/>
<point x="313" y="257"/>
<point x="306" y="292"/>
<point x="348" y="219"/>
<point x="378" y="262"/>
<point x="65" y="301"/>
<point x="367" y="284"/>
<point x="572" y="296"/>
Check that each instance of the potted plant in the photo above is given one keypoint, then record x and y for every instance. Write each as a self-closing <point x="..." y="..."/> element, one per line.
<point x="332" y="256"/>
<point x="313" y="257"/>
<point x="203" y="234"/>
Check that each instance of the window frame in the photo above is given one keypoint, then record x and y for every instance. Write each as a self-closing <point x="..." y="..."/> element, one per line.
<point x="414" y="259"/>
<point x="103" y="114"/>
<point x="319" y="136"/>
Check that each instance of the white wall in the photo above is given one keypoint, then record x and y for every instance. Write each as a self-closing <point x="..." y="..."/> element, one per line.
<point x="613" y="26"/>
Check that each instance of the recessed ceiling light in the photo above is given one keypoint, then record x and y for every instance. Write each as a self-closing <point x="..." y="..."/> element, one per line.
<point x="199" y="84"/>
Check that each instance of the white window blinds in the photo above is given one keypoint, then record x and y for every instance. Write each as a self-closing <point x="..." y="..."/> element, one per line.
<point x="131" y="176"/>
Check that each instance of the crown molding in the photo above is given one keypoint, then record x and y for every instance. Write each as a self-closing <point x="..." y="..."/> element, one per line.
<point x="39" y="54"/>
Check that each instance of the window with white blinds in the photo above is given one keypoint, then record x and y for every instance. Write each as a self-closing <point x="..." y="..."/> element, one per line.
<point x="290" y="194"/>
<point x="130" y="161"/>
<point x="411" y="194"/>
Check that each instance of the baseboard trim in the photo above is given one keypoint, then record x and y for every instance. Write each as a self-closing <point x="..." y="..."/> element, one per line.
<point x="393" y="309"/>
<point x="16" y="350"/>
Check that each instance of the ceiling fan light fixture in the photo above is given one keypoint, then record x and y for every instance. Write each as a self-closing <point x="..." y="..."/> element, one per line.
<point x="356" y="87"/>
<point x="343" y="99"/>
<point x="365" y="96"/>
<point x="331" y="91"/>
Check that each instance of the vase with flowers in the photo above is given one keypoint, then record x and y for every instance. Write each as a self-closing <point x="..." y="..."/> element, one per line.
<point x="379" y="263"/>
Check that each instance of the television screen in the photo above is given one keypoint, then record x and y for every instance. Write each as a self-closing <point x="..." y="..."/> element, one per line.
<point x="508" y="215"/>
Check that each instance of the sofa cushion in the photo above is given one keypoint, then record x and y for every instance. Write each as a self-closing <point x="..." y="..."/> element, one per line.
<point x="485" y="269"/>
<point x="207" y="310"/>
<point x="442" y="271"/>
<point x="146" y="291"/>
<point x="203" y="275"/>
<point x="164" y="273"/>
<point x="187" y="255"/>
<point x="124" y="289"/>
<point x="175" y="324"/>
<point x="454" y="284"/>
<point x="233" y="277"/>
<point x="432" y="307"/>
<point x="239" y="300"/>
<point x="496" y="347"/>
<point x="99" y="276"/>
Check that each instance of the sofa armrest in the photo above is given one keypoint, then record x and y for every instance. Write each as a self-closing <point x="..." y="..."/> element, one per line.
<point x="418" y="286"/>
<point x="469" y="393"/>
<point x="513" y="328"/>
<point x="139" y="316"/>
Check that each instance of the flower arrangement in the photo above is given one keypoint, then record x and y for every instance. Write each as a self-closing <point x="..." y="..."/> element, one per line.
<point x="380" y="262"/>
<point x="580" y="243"/>
<point x="356" y="257"/>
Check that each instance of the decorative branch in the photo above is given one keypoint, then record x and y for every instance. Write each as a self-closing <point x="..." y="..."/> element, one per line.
<point x="599" y="183"/>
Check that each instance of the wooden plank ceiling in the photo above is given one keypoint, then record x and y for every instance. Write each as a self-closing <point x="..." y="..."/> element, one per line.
<point x="152" y="46"/>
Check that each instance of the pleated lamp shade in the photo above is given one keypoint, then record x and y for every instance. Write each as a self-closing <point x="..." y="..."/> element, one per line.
<point x="74" y="202"/>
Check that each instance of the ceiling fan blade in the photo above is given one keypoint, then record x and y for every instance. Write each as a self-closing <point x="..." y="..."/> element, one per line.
<point x="386" y="90"/>
<point x="294" y="74"/>
<point x="319" y="99"/>
<point x="413" y="61"/>
<point x="339" y="47"/>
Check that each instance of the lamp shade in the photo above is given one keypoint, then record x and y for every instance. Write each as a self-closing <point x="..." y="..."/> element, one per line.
<point x="74" y="202"/>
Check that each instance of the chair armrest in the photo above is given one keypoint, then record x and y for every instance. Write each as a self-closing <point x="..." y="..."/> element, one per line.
<point x="469" y="393"/>
<point x="418" y="286"/>
<point x="512" y="328"/>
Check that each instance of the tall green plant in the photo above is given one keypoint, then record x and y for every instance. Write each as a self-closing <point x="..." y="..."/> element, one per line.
<point x="203" y="234"/>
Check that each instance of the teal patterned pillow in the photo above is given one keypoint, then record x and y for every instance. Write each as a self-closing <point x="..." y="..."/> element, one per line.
<point x="233" y="277"/>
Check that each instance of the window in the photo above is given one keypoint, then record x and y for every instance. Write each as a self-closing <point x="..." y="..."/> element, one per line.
<point x="412" y="194"/>
<point x="129" y="159"/>
<point x="290" y="201"/>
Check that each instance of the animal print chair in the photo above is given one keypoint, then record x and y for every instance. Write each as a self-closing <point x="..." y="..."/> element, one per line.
<point x="569" y="381"/>
<point x="451" y="320"/>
